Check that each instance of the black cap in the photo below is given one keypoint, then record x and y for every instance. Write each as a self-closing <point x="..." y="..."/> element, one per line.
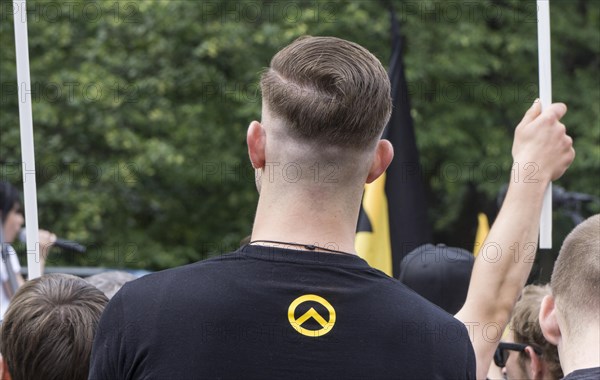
<point x="439" y="273"/>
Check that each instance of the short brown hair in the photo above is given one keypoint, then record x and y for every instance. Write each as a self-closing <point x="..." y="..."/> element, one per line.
<point x="49" y="327"/>
<point x="575" y="279"/>
<point x="526" y="328"/>
<point x="329" y="91"/>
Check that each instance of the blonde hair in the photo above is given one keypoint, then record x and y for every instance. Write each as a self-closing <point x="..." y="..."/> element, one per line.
<point x="526" y="328"/>
<point x="575" y="279"/>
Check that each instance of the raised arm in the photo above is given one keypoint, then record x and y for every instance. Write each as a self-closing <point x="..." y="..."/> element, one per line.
<point x="542" y="152"/>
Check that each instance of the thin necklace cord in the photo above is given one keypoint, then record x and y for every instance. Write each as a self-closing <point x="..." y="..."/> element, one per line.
<point x="310" y="247"/>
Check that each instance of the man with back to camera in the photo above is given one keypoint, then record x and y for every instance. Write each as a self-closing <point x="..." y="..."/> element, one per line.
<point x="570" y="316"/>
<point x="297" y="301"/>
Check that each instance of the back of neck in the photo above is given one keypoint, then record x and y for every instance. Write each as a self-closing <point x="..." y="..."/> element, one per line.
<point x="580" y="352"/>
<point x="303" y="219"/>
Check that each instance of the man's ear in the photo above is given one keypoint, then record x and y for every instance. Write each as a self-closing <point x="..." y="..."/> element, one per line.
<point x="548" y="320"/>
<point x="256" y="139"/>
<point x="384" y="153"/>
<point x="536" y="370"/>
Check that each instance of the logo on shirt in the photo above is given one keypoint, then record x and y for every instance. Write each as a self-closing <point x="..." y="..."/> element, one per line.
<point x="307" y="321"/>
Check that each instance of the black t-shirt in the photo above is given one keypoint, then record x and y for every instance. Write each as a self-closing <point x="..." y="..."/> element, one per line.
<point x="276" y="313"/>
<point x="584" y="374"/>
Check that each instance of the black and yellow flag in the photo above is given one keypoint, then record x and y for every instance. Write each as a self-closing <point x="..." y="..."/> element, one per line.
<point x="483" y="229"/>
<point x="393" y="218"/>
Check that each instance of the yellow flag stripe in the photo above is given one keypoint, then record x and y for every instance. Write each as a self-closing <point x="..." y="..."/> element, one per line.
<point x="483" y="228"/>
<point x="375" y="247"/>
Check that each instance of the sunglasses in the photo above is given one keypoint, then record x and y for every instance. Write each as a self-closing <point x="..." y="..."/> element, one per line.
<point x="501" y="354"/>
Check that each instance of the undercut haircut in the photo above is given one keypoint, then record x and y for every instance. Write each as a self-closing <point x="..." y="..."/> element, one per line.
<point x="575" y="279"/>
<point x="48" y="330"/>
<point x="525" y="325"/>
<point x="328" y="91"/>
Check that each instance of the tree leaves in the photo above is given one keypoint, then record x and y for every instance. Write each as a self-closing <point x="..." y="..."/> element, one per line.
<point x="140" y="109"/>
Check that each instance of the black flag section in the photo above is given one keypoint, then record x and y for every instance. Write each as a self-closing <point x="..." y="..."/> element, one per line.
<point x="404" y="189"/>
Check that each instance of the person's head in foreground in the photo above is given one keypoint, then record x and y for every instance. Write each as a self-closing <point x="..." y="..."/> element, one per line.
<point x="570" y="316"/>
<point x="325" y="104"/>
<point x="524" y="352"/>
<point x="48" y="330"/>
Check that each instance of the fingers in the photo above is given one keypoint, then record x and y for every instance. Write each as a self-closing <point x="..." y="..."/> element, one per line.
<point x="532" y="112"/>
<point x="564" y="156"/>
<point x="550" y="118"/>
<point x="47" y="238"/>
<point x="543" y="139"/>
<point x="564" y="153"/>
<point x="554" y="112"/>
<point x="561" y="109"/>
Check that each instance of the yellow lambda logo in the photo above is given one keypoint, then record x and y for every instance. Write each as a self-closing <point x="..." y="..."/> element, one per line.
<point x="326" y="325"/>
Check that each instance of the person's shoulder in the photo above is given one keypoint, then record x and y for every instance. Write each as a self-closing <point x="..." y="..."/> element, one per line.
<point x="429" y="329"/>
<point x="584" y="374"/>
<point x="428" y="316"/>
<point x="182" y="276"/>
<point x="415" y="303"/>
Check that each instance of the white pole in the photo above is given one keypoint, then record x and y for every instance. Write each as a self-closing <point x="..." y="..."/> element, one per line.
<point x="27" y="152"/>
<point x="545" y="73"/>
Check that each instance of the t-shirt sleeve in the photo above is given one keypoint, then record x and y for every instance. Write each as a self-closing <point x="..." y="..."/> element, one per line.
<point x="471" y="362"/>
<point x="584" y="374"/>
<point x="463" y="360"/>
<point x="469" y="368"/>
<point x="108" y="350"/>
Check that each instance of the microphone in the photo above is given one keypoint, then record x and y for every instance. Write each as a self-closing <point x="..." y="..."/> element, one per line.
<point x="561" y="196"/>
<point x="60" y="243"/>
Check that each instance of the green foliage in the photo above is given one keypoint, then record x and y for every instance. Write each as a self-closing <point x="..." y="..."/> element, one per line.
<point x="140" y="109"/>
